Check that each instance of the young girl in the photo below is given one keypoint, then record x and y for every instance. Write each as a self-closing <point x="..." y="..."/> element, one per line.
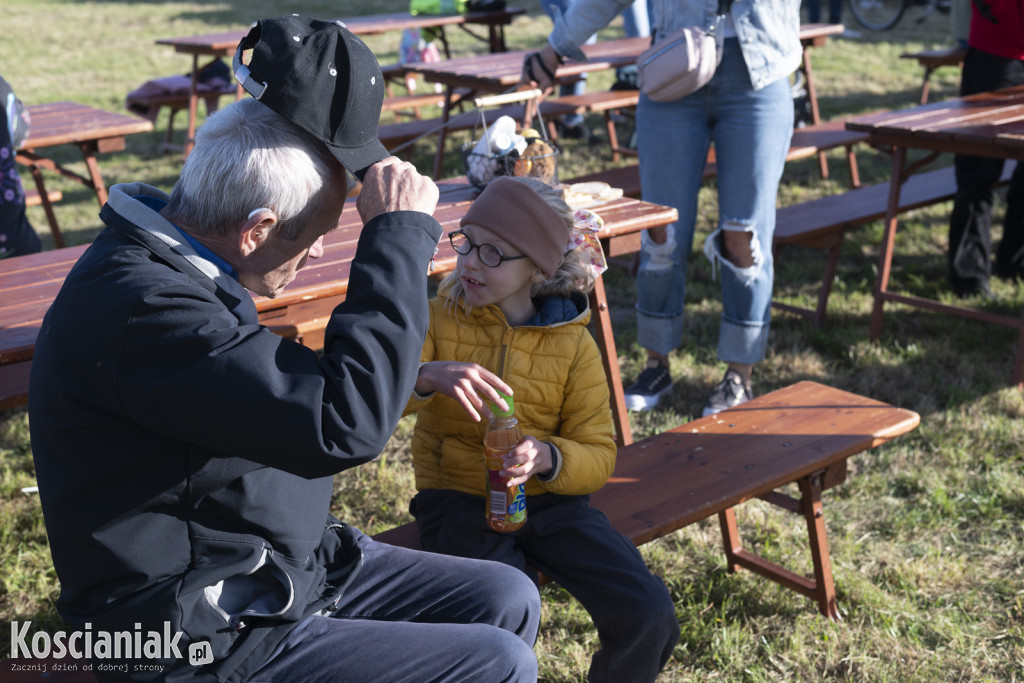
<point x="512" y="317"/>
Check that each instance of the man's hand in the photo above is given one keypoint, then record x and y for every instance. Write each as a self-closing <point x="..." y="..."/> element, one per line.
<point x="395" y="185"/>
<point x="539" y="68"/>
<point x="467" y="383"/>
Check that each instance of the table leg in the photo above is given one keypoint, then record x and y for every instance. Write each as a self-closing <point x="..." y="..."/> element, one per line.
<point x="89" y="151"/>
<point x="44" y="198"/>
<point x="812" y="97"/>
<point x="442" y="135"/>
<point x="193" y="105"/>
<point x="899" y="155"/>
<point x="496" y="34"/>
<point x="443" y="37"/>
<point x="924" y="85"/>
<point x="606" y="342"/>
<point x="824" y="585"/>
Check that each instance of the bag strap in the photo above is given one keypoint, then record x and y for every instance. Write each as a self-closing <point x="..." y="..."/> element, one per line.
<point x="723" y="8"/>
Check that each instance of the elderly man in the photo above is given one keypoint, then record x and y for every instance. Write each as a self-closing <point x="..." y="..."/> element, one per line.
<point x="185" y="454"/>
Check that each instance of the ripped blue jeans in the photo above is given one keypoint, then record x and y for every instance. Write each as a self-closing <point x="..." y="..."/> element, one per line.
<point x="751" y="131"/>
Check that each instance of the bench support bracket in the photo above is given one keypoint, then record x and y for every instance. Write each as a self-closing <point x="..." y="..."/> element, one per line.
<point x="822" y="587"/>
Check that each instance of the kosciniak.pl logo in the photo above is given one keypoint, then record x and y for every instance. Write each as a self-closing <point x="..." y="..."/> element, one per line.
<point x="91" y="645"/>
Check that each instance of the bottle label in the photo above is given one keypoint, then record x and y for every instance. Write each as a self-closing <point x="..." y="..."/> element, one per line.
<point x="517" y="506"/>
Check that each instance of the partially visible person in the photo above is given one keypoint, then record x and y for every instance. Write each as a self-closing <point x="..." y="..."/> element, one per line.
<point x="835" y="11"/>
<point x="747" y="112"/>
<point x="17" y="236"/>
<point x="994" y="60"/>
<point x="186" y="455"/>
<point x="513" y="317"/>
<point x="636" y="22"/>
<point x="960" y="21"/>
<point x="572" y="126"/>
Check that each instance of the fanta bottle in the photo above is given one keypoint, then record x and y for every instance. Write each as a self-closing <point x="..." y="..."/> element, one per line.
<point x="506" y="507"/>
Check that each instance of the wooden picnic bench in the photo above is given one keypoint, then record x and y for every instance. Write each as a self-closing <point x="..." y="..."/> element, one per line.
<point x="822" y="223"/>
<point x="224" y="43"/>
<point x="805" y="143"/>
<point x="802" y="434"/>
<point x="934" y="59"/>
<point x="175" y="102"/>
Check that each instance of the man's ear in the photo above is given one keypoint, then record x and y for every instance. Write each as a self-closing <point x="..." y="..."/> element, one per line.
<point x="255" y="230"/>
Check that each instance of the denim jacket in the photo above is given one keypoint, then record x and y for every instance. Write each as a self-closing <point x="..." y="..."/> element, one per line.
<point x="768" y="30"/>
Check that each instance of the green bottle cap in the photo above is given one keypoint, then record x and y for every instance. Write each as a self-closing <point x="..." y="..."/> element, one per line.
<point x="497" y="410"/>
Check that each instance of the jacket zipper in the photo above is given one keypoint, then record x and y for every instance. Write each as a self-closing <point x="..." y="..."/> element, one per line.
<point x="505" y="343"/>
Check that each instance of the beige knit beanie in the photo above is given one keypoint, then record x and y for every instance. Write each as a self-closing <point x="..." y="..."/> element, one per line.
<point x="509" y="208"/>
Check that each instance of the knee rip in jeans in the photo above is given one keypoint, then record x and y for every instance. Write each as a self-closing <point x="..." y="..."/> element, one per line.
<point x="659" y="256"/>
<point x="714" y="253"/>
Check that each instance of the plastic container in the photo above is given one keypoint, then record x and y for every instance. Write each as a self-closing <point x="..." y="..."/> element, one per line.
<point x="506" y="507"/>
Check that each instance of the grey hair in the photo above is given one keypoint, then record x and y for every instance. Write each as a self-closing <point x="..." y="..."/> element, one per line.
<point x="571" y="275"/>
<point x="247" y="157"/>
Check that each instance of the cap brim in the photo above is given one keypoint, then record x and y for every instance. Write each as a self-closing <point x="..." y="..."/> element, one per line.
<point x="358" y="159"/>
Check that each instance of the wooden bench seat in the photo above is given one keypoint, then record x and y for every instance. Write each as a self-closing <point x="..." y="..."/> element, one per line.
<point x="14" y="385"/>
<point x="33" y="198"/>
<point x="802" y="434"/>
<point x="822" y="223"/>
<point x="602" y="101"/>
<point x="176" y="102"/>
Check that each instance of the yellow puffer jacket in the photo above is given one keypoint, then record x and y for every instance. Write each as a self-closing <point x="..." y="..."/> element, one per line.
<point x="560" y="391"/>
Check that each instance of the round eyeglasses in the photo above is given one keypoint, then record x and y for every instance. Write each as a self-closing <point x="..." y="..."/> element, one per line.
<point x="488" y="254"/>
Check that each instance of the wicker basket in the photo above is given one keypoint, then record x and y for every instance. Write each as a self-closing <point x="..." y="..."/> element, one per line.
<point x="482" y="169"/>
<point x="538" y="160"/>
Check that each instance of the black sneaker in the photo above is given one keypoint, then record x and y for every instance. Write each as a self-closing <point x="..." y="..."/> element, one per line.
<point x="728" y="393"/>
<point x="653" y="383"/>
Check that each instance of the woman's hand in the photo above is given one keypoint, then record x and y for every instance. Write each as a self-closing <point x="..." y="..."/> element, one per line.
<point x="539" y="68"/>
<point x="530" y="457"/>
<point x="472" y="385"/>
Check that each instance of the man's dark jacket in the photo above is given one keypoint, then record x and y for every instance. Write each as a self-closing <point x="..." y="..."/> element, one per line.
<point x="185" y="454"/>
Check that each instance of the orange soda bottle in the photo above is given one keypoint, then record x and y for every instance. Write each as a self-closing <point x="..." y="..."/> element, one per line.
<point x="506" y="507"/>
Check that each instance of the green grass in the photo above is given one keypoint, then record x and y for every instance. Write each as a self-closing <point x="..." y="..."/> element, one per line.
<point x="927" y="536"/>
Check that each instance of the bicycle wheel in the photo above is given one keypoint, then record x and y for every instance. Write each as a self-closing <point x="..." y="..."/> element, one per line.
<point x="877" y="15"/>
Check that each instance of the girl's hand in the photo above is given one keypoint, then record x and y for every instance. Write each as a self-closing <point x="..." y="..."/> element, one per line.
<point x="472" y="385"/>
<point x="530" y="457"/>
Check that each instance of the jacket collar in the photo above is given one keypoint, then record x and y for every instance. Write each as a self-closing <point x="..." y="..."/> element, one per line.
<point x="124" y="213"/>
<point x="551" y="310"/>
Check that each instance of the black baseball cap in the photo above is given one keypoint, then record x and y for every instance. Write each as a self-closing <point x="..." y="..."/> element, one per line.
<point x="321" y="77"/>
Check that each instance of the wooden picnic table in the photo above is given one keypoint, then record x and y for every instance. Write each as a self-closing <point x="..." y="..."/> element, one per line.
<point x="28" y="284"/>
<point x="93" y="131"/>
<point x="224" y="43"/>
<point x="468" y="77"/>
<point x="988" y="124"/>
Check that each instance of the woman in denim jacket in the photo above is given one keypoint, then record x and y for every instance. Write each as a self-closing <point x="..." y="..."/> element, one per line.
<point x="747" y="111"/>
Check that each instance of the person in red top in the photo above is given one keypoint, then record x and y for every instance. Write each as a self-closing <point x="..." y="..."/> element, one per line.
<point x="994" y="60"/>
